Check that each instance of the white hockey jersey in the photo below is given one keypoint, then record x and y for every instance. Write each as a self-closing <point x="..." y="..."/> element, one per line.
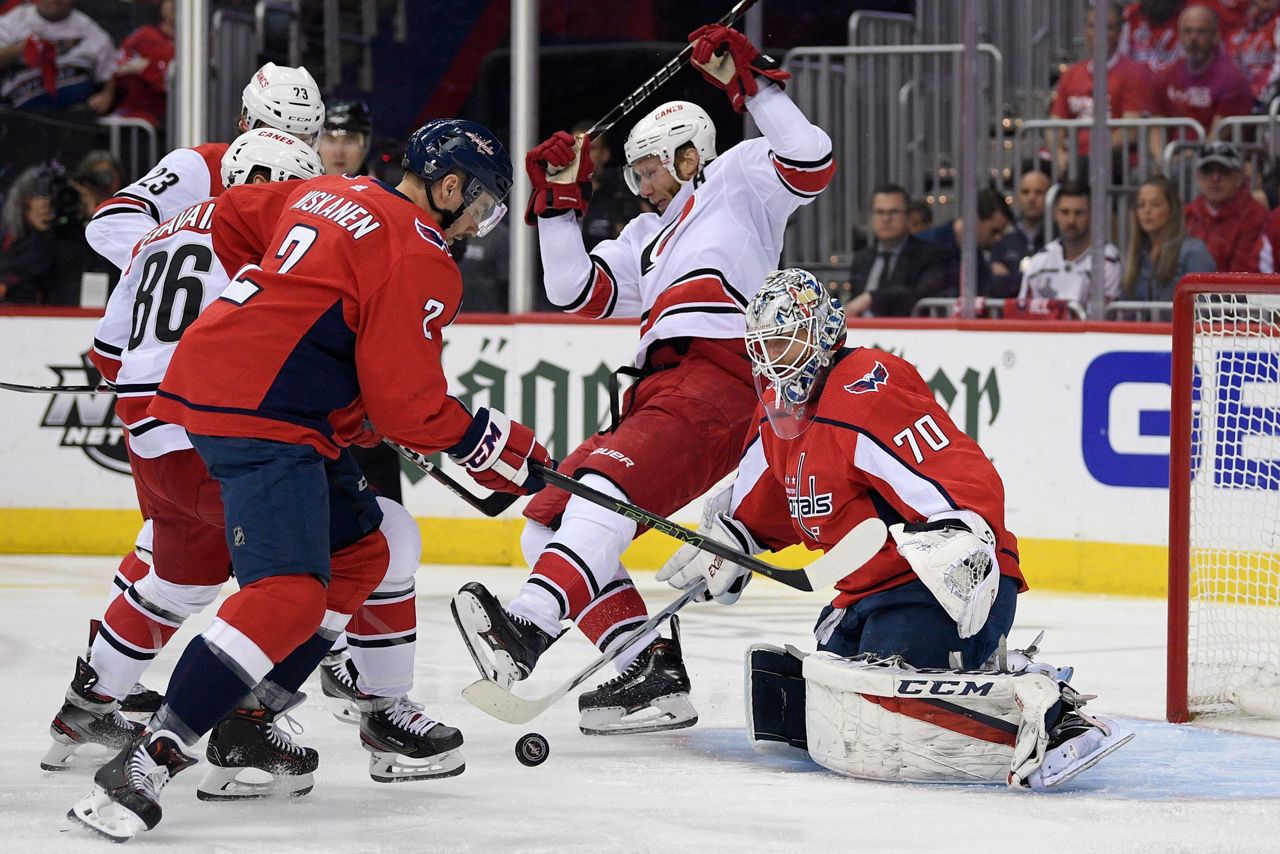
<point x="691" y="271"/>
<point x="1049" y="275"/>
<point x="86" y="58"/>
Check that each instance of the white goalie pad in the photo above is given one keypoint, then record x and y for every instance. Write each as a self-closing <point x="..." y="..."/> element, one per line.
<point x="957" y="565"/>
<point x="878" y="719"/>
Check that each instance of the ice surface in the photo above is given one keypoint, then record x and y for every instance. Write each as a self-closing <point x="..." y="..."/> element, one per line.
<point x="1172" y="789"/>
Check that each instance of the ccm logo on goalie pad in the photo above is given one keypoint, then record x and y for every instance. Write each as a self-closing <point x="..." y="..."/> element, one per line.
<point x="943" y="687"/>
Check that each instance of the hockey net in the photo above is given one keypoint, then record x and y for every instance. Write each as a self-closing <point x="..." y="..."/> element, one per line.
<point x="1224" y="494"/>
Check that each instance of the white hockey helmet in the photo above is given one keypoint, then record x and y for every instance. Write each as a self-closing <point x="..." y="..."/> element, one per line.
<point x="283" y="155"/>
<point x="284" y="98"/>
<point x="663" y="131"/>
<point x="793" y="329"/>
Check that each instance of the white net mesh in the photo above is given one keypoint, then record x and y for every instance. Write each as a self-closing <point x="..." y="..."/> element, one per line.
<point x="1233" y="638"/>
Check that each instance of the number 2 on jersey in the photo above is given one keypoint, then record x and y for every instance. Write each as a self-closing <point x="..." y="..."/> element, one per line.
<point x="292" y="248"/>
<point x="928" y="430"/>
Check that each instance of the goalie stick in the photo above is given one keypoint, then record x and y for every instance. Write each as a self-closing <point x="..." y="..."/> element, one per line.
<point x="856" y="548"/>
<point x="489" y="505"/>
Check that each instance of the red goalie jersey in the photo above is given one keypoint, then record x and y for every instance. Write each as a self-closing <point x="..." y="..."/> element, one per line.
<point x="879" y="445"/>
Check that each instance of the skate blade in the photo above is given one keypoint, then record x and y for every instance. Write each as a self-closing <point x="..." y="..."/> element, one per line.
<point x="242" y="784"/>
<point x="106" y="817"/>
<point x="344" y="710"/>
<point x="473" y="624"/>
<point x="386" y="767"/>
<point x="665" y="713"/>
<point x="76" y="757"/>
<point x="1116" y="741"/>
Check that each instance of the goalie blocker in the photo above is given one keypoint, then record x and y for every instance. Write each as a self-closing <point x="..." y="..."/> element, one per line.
<point x="879" y="719"/>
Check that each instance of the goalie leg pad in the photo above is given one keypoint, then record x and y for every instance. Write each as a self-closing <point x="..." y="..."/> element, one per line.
<point x="775" y="699"/>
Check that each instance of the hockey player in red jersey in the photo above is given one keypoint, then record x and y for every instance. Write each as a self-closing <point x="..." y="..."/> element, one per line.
<point x="342" y="321"/>
<point x="686" y="273"/>
<point x="847" y="434"/>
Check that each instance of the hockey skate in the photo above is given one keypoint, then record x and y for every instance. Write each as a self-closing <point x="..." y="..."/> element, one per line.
<point x="126" y="793"/>
<point x="88" y="727"/>
<point x="251" y="757"/>
<point x="338" y="676"/>
<point x="651" y="695"/>
<point x="141" y="700"/>
<point x="505" y="647"/>
<point x="1076" y="743"/>
<point x="407" y="744"/>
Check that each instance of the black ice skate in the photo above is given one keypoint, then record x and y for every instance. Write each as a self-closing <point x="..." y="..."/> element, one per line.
<point x="1077" y="742"/>
<point x="407" y="744"/>
<point x="505" y="647"/>
<point x="651" y="695"/>
<point x="126" y="794"/>
<point x="244" y="746"/>
<point x="88" y="727"/>
<point x="338" y="675"/>
<point x="141" y="700"/>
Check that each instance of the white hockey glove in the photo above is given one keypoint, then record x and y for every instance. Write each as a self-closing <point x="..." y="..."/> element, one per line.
<point x="954" y="554"/>
<point x="725" y="579"/>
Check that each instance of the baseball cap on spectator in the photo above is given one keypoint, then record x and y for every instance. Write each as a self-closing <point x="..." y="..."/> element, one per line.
<point x="1224" y="154"/>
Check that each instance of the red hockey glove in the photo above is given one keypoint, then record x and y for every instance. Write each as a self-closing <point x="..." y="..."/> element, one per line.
<point x="496" y="451"/>
<point x="731" y="62"/>
<point x="560" y="173"/>
<point x="38" y="53"/>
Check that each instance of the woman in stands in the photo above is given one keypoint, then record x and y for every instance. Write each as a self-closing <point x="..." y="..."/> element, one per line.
<point x="1159" y="252"/>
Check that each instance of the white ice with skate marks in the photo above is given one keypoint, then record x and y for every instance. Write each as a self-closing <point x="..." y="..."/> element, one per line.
<point x="1172" y="788"/>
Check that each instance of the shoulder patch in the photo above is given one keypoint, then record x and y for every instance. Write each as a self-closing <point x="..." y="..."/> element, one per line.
<point x="870" y="381"/>
<point x="432" y="236"/>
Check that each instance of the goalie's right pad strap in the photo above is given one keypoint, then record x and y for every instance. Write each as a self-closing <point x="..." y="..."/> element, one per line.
<point x="880" y="720"/>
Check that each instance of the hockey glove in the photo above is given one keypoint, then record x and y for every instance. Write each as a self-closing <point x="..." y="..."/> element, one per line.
<point x="496" y="451"/>
<point x="954" y="554"/>
<point x="731" y="62"/>
<point x="689" y="565"/>
<point x="560" y="174"/>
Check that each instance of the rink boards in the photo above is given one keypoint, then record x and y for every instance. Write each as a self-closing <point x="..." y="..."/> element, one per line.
<point x="1075" y="417"/>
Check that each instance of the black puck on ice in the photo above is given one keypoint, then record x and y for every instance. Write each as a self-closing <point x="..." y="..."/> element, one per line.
<point x="532" y="749"/>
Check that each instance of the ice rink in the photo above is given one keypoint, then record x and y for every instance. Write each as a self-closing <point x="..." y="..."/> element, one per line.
<point x="1185" y="789"/>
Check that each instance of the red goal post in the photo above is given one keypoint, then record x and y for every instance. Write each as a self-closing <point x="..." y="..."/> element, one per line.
<point x="1224" y="498"/>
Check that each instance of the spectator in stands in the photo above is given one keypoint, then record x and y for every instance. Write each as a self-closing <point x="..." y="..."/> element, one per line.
<point x="484" y="263"/>
<point x="1204" y="84"/>
<point x="1026" y="238"/>
<point x="891" y="274"/>
<point x="98" y="177"/>
<point x="1233" y="15"/>
<point x="994" y="218"/>
<point x="142" y="69"/>
<point x="1225" y="215"/>
<point x="919" y="216"/>
<point x="1129" y="87"/>
<point x="1159" y="252"/>
<point x="345" y="137"/>
<point x="54" y="56"/>
<point x="1150" y="33"/>
<point x="1253" y="47"/>
<point x="43" y="253"/>
<point x="1064" y="268"/>
<point x="612" y="205"/>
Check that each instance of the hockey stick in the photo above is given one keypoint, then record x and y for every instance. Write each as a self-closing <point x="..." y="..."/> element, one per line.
<point x="866" y="539"/>
<point x="490" y="505"/>
<point x="102" y="388"/>
<point x="661" y="76"/>
<point x="490" y="697"/>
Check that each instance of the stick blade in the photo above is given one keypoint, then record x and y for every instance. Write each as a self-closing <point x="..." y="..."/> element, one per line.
<point x="494" y="700"/>
<point x="854" y="549"/>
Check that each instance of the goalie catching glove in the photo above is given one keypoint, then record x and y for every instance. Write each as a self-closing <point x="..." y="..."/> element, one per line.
<point x="496" y="452"/>
<point x="954" y="554"/>
<point x="725" y="579"/>
<point x="731" y="62"/>
<point x="560" y="174"/>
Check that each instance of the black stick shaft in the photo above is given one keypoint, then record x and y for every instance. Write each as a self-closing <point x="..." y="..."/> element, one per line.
<point x="489" y="505"/>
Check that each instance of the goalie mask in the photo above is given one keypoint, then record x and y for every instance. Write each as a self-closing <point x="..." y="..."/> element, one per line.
<point x="794" y="328"/>
<point x="661" y="133"/>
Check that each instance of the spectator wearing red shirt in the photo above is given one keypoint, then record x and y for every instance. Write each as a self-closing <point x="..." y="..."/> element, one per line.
<point x="1129" y="87"/>
<point x="1253" y="46"/>
<point x="1233" y="15"/>
<point x="1204" y="84"/>
<point x="142" y="67"/>
<point x="1225" y="215"/>
<point x="1150" y="33"/>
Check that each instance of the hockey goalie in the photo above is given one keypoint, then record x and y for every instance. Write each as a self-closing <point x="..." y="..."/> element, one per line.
<point x="912" y="680"/>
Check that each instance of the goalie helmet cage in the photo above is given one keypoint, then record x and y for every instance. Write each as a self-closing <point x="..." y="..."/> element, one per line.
<point x="1224" y="498"/>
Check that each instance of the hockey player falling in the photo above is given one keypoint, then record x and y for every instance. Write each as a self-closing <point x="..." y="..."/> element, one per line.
<point x="847" y="434"/>
<point x="687" y="273"/>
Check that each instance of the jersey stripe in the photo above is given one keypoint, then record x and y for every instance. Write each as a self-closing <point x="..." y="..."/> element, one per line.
<point x="599" y="295"/>
<point x="704" y="290"/>
<point x="926" y="489"/>
<point x="805" y="178"/>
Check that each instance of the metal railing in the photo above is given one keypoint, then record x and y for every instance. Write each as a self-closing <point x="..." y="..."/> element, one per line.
<point x="233" y="57"/>
<point x="890" y="112"/>
<point x="871" y="28"/>
<point x="1134" y="310"/>
<point x="991" y="308"/>
<point x="134" y="144"/>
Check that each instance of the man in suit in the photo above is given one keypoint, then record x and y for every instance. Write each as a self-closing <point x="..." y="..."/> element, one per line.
<point x="891" y="273"/>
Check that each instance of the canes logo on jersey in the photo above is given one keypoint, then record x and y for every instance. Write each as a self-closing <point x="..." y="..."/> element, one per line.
<point x="809" y="503"/>
<point x="870" y="381"/>
<point x="87" y="421"/>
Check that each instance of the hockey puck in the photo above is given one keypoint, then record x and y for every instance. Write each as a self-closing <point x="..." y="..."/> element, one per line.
<point x="532" y="749"/>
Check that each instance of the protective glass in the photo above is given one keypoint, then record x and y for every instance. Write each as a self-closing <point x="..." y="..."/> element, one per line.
<point x="487" y="212"/>
<point x="645" y="169"/>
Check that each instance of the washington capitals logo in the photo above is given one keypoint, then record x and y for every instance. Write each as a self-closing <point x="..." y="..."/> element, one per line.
<point x="482" y="145"/>
<point x="87" y="421"/>
<point x="431" y="235"/>
<point x="804" y="501"/>
<point x="871" y="381"/>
